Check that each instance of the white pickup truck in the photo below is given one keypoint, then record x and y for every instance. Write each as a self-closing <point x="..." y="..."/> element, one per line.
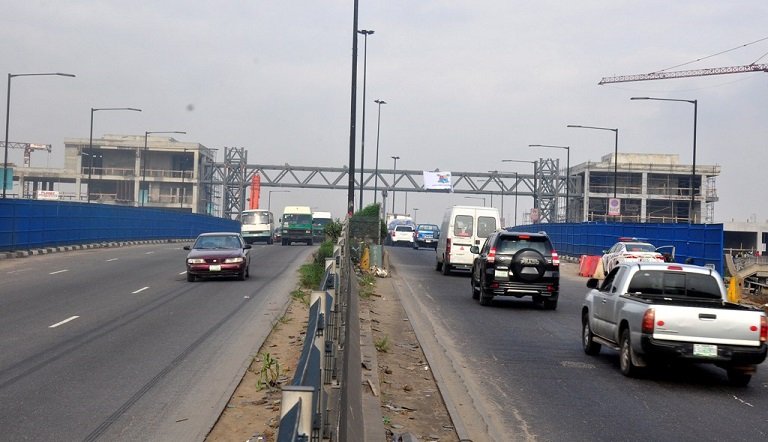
<point x="660" y="312"/>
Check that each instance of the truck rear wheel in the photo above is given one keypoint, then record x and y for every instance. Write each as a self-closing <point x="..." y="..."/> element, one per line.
<point x="738" y="378"/>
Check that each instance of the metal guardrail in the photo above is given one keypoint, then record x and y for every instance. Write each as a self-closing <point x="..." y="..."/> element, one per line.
<point x="304" y="403"/>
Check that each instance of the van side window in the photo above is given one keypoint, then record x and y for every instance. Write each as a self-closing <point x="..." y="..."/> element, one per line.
<point x="463" y="225"/>
<point x="485" y="226"/>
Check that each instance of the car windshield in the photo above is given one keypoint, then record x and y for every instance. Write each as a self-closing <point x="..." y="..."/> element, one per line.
<point x="640" y="247"/>
<point x="297" y="218"/>
<point x="667" y="283"/>
<point x="255" y="218"/>
<point x="427" y="227"/>
<point x="217" y="242"/>
<point x="513" y="244"/>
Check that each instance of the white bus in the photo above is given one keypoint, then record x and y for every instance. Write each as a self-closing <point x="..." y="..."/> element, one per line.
<point x="257" y="225"/>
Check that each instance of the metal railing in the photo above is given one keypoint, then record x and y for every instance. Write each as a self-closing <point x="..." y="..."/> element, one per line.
<point x="304" y="403"/>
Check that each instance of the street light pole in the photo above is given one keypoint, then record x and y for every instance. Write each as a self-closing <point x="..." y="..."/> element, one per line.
<point x="567" y="173"/>
<point x="535" y="200"/>
<point x="394" y="177"/>
<point x="376" y="172"/>
<point x="144" y="157"/>
<point x="90" y="139"/>
<point x="365" y="33"/>
<point x="695" y="104"/>
<point x="615" y="151"/>
<point x="8" y="115"/>
<point x="269" y="197"/>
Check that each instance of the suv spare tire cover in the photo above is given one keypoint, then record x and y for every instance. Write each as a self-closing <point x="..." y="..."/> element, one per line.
<point x="526" y="260"/>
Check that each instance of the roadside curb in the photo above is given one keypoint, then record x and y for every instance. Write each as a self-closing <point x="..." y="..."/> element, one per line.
<point x="47" y="250"/>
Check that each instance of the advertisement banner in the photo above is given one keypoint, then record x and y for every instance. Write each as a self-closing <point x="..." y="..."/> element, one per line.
<point x="47" y="194"/>
<point x="437" y="180"/>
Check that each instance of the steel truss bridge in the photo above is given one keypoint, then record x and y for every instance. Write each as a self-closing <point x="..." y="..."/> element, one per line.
<point x="229" y="180"/>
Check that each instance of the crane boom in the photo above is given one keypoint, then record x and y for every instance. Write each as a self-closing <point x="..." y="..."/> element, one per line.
<point x="683" y="74"/>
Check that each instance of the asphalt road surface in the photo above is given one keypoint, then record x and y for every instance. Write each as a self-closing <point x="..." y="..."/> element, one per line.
<point x="515" y="372"/>
<point x="115" y="344"/>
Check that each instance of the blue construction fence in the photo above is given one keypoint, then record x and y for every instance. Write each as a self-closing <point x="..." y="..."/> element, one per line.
<point x="32" y="224"/>
<point x="703" y="243"/>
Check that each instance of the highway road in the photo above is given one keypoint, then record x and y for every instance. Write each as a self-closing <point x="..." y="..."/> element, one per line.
<point x="515" y="372"/>
<point x="115" y="344"/>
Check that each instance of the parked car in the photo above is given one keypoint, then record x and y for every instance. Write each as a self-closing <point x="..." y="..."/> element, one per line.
<point x="463" y="227"/>
<point x="402" y="233"/>
<point x="218" y="254"/>
<point x="660" y="312"/>
<point x="516" y="264"/>
<point x="630" y="250"/>
<point x="426" y="235"/>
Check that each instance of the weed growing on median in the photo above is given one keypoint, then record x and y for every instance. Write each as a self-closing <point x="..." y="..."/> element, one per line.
<point x="269" y="372"/>
<point x="382" y="345"/>
<point x="301" y="296"/>
<point x="367" y="284"/>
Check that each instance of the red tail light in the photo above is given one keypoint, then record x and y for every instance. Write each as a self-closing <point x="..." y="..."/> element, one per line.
<point x="448" y="246"/>
<point x="763" y="329"/>
<point x="555" y="259"/>
<point x="648" y="319"/>
<point x="492" y="255"/>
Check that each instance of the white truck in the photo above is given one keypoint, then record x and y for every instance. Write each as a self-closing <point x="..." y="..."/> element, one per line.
<point x="665" y="312"/>
<point x="257" y="225"/>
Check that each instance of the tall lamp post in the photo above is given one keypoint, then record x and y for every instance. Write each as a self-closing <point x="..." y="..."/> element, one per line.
<point x="535" y="199"/>
<point x="269" y="197"/>
<point x="376" y="173"/>
<point x="567" y="174"/>
<point x="695" y="104"/>
<point x="8" y="115"/>
<point x="144" y="156"/>
<point x="365" y="33"/>
<point x="394" y="176"/>
<point x="415" y="212"/>
<point x="90" y="139"/>
<point x="615" y="151"/>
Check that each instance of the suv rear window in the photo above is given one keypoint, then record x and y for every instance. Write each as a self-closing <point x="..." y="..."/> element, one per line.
<point x="693" y="285"/>
<point x="512" y="244"/>
<point x="404" y="229"/>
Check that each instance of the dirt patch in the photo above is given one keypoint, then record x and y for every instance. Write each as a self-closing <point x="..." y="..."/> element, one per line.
<point x="253" y="410"/>
<point x="409" y="397"/>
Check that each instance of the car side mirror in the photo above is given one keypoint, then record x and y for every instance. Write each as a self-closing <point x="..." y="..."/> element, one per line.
<point x="592" y="283"/>
<point x="604" y="252"/>
<point x="187" y="248"/>
<point x="248" y="246"/>
<point x="474" y="249"/>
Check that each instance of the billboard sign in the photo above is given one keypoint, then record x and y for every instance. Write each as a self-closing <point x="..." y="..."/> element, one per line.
<point x="437" y="180"/>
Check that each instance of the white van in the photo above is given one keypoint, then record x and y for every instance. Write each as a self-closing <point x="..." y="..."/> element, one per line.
<point x="462" y="228"/>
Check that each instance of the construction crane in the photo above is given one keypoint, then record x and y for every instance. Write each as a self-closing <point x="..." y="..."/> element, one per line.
<point x="28" y="148"/>
<point x="682" y="74"/>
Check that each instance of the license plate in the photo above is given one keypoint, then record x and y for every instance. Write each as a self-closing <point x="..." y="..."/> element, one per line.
<point x="428" y="240"/>
<point x="705" y="350"/>
<point x="214" y="268"/>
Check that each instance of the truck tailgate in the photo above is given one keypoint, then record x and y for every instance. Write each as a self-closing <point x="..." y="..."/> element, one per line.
<point x="707" y="325"/>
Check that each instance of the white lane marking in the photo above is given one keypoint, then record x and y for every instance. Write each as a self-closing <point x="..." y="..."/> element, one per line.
<point x="140" y="290"/>
<point x="113" y="259"/>
<point x="182" y="273"/>
<point x="149" y="253"/>
<point x="58" y="271"/>
<point x="743" y="402"/>
<point x="72" y="318"/>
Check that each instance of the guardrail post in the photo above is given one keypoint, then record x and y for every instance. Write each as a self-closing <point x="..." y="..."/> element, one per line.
<point x="301" y="397"/>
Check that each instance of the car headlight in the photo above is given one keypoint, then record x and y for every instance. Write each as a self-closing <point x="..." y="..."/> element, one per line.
<point x="233" y="260"/>
<point x="195" y="261"/>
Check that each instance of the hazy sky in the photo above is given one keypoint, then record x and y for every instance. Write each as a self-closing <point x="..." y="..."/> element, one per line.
<point x="467" y="83"/>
